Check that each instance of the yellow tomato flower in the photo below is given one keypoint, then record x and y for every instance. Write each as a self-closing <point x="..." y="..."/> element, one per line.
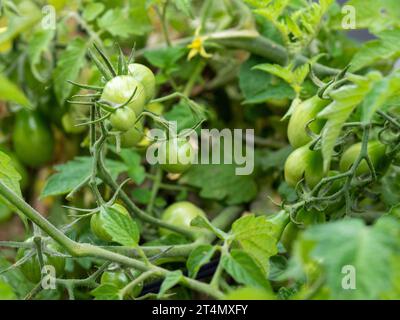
<point x="197" y="46"/>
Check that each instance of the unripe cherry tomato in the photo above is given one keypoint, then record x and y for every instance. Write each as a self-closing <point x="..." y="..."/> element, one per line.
<point x="177" y="155"/>
<point x="120" y="280"/>
<point x="307" y="218"/>
<point x="33" y="139"/>
<point x="133" y="136"/>
<point x="31" y="268"/>
<point x="376" y="152"/>
<point x="304" y="162"/>
<point x="123" y="119"/>
<point x="180" y="214"/>
<point x="69" y="124"/>
<point x="97" y="223"/>
<point x="303" y="113"/>
<point x="119" y="90"/>
<point x="146" y="77"/>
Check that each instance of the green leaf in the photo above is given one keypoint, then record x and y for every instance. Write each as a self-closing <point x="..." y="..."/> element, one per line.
<point x="133" y="160"/>
<point x="73" y="173"/>
<point x="68" y="66"/>
<point x="242" y="267"/>
<point x="199" y="257"/>
<point x="92" y="11"/>
<point x="124" y="23"/>
<point x="369" y="250"/>
<point x="184" y="6"/>
<point x="10" y="177"/>
<point x="202" y="222"/>
<point x="385" y="48"/>
<point x="170" y="281"/>
<point x="166" y="58"/>
<point x="183" y="115"/>
<point x="375" y="15"/>
<point x="29" y="15"/>
<point x="6" y="291"/>
<point x="39" y="44"/>
<point x="256" y="236"/>
<point x="142" y="196"/>
<point x="10" y="92"/>
<point x="380" y="93"/>
<point x="106" y="292"/>
<point x="15" y="278"/>
<point x="345" y="100"/>
<point x="120" y="227"/>
<point x="258" y="86"/>
<point x="220" y="182"/>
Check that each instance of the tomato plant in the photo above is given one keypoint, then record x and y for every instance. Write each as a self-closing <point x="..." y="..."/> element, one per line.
<point x="182" y="149"/>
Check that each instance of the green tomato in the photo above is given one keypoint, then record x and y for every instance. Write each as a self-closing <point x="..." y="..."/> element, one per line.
<point x="177" y="155"/>
<point x="31" y="268"/>
<point x="376" y="152"/>
<point x="97" y="223"/>
<point x="280" y="220"/>
<point x="292" y="230"/>
<point x="120" y="280"/>
<point x="118" y="91"/>
<point x="146" y="77"/>
<point x="33" y="139"/>
<point x="123" y="119"/>
<point x="304" y="162"/>
<point x="180" y="214"/>
<point x="133" y="136"/>
<point x="24" y="182"/>
<point x="303" y="113"/>
<point x="69" y="124"/>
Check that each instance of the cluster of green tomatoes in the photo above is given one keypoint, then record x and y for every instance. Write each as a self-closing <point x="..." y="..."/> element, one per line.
<point x="304" y="166"/>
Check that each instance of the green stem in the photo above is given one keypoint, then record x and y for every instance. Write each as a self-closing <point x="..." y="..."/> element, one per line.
<point x="154" y="190"/>
<point x="128" y="288"/>
<point x="105" y="175"/>
<point x="87" y="250"/>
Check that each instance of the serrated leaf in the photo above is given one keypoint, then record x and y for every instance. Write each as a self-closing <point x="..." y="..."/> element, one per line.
<point x="256" y="236"/>
<point x="10" y="177"/>
<point x="202" y="222"/>
<point x="120" y="227"/>
<point x="386" y="47"/>
<point x="183" y="115"/>
<point x="124" y="23"/>
<point x="170" y="281"/>
<point x="39" y="44"/>
<point x="133" y="160"/>
<point x="199" y="257"/>
<point x="184" y="6"/>
<point x="10" y="92"/>
<point x="375" y="15"/>
<point x="220" y="182"/>
<point x="242" y="267"/>
<point x="68" y="67"/>
<point x="369" y="250"/>
<point x="345" y="100"/>
<point x="258" y="86"/>
<point x="75" y="172"/>
<point x="380" y="93"/>
<point x="106" y="292"/>
<point x="92" y="11"/>
<point x="166" y="58"/>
